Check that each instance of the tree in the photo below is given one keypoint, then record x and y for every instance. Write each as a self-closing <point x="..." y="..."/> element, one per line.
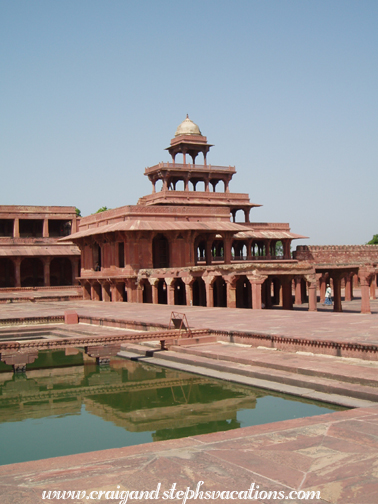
<point x="102" y="209"/>
<point x="78" y="212"/>
<point x="374" y="240"/>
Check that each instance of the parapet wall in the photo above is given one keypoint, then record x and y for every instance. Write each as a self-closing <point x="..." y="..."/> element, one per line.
<point x="356" y="254"/>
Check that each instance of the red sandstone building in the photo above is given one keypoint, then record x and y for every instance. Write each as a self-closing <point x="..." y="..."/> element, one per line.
<point x="30" y="255"/>
<point x="181" y="244"/>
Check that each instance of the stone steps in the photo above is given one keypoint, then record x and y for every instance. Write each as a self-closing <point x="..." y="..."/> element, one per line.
<point x="312" y="386"/>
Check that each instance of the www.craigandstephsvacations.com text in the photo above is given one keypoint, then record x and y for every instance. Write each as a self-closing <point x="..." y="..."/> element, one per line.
<point x="254" y="492"/>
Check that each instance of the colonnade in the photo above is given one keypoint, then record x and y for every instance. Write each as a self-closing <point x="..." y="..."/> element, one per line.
<point x="212" y="290"/>
<point x="39" y="271"/>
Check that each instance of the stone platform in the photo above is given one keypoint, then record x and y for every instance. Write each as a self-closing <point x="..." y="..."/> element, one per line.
<point x="335" y="454"/>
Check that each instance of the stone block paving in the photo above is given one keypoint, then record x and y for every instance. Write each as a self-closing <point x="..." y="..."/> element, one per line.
<point x="334" y="454"/>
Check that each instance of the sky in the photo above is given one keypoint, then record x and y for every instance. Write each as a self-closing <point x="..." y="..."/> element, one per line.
<point x="92" y="92"/>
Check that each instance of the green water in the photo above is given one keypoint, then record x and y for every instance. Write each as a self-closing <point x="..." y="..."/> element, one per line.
<point x="57" y="411"/>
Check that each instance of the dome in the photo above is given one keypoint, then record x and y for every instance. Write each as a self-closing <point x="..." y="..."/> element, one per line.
<point x="188" y="127"/>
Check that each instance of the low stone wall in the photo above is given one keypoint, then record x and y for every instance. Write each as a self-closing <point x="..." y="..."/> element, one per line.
<point x="337" y="254"/>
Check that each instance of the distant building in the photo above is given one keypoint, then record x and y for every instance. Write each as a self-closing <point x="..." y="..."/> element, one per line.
<point x="30" y="254"/>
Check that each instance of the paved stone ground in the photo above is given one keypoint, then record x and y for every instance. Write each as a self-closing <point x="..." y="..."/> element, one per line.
<point x="335" y="454"/>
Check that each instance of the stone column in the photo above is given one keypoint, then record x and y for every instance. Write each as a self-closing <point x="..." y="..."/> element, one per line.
<point x="348" y="287"/>
<point x="373" y="285"/>
<point x="46" y="271"/>
<point x="364" y="275"/>
<point x="105" y="291"/>
<point x="116" y="292"/>
<point x="188" y="281"/>
<point x="312" y="296"/>
<point x="287" y="296"/>
<point x="86" y="291"/>
<point x="94" y="292"/>
<point x="231" y="292"/>
<point x="298" y="290"/>
<point x="139" y="293"/>
<point x="268" y="296"/>
<point x="131" y="290"/>
<point x="337" y="306"/>
<point x="17" y="271"/>
<point x="16" y="228"/>
<point x="256" y="283"/>
<point x="45" y="229"/>
<point x="170" y="291"/>
<point x="322" y="286"/>
<point x="227" y="243"/>
<point x="154" y="287"/>
<point x="208" y="252"/>
<point x="209" y="290"/>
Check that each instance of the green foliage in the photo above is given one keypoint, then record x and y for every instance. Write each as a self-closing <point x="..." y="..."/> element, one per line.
<point x="78" y="212"/>
<point x="102" y="209"/>
<point x="279" y="248"/>
<point x="374" y="240"/>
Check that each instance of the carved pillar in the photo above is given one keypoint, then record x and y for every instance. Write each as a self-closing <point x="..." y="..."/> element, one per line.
<point x="115" y="288"/>
<point x="337" y="306"/>
<point x="231" y="291"/>
<point x="139" y="293"/>
<point x="208" y="252"/>
<point x="364" y="275"/>
<point x="188" y="281"/>
<point x="154" y="287"/>
<point x="312" y="297"/>
<point x="287" y="296"/>
<point x="45" y="229"/>
<point x="17" y="271"/>
<point x="322" y="287"/>
<point x="209" y="290"/>
<point x="348" y="287"/>
<point x="373" y="285"/>
<point x="131" y="290"/>
<point x="170" y="291"/>
<point x="95" y="295"/>
<point x="298" y="290"/>
<point x="16" y="228"/>
<point x="86" y="291"/>
<point x="105" y="286"/>
<point x="227" y="242"/>
<point x="46" y="271"/>
<point x="256" y="283"/>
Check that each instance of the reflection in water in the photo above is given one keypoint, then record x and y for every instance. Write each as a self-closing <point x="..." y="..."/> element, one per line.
<point x="59" y="411"/>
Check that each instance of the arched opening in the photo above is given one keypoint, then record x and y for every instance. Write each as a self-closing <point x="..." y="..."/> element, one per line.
<point x="220" y="292"/>
<point x="179" y="291"/>
<point x="160" y="251"/>
<point x="243" y="293"/>
<point x="32" y="272"/>
<point x="199" y="292"/>
<point x="162" y="291"/>
<point x="7" y="273"/>
<point x="214" y="184"/>
<point x="258" y="249"/>
<point x="147" y="291"/>
<point x="217" y="250"/>
<point x="60" y="271"/>
<point x="179" y="185"/>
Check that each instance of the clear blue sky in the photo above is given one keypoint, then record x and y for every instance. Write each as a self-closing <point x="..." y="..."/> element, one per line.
<point x="91" y="93"/>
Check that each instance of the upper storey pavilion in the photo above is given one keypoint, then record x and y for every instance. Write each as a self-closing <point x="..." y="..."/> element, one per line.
<point x="199" y="182"/>
<point x="181" y="244"/>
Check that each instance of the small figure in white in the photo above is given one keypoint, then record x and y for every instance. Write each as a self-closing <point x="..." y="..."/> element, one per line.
<point x="328" y="296"/>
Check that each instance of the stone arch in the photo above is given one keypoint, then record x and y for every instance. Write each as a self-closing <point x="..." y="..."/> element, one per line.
<point x="7" y="273"/>
<point x="31" y="272"/>
<point x="160" y="251"/>
<point x="60" y="271"/>
<point x="220" y="292"/>
<point x="199" y="292"/>
<point x="162" y="291"/>
<point x="243" y="292"/>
